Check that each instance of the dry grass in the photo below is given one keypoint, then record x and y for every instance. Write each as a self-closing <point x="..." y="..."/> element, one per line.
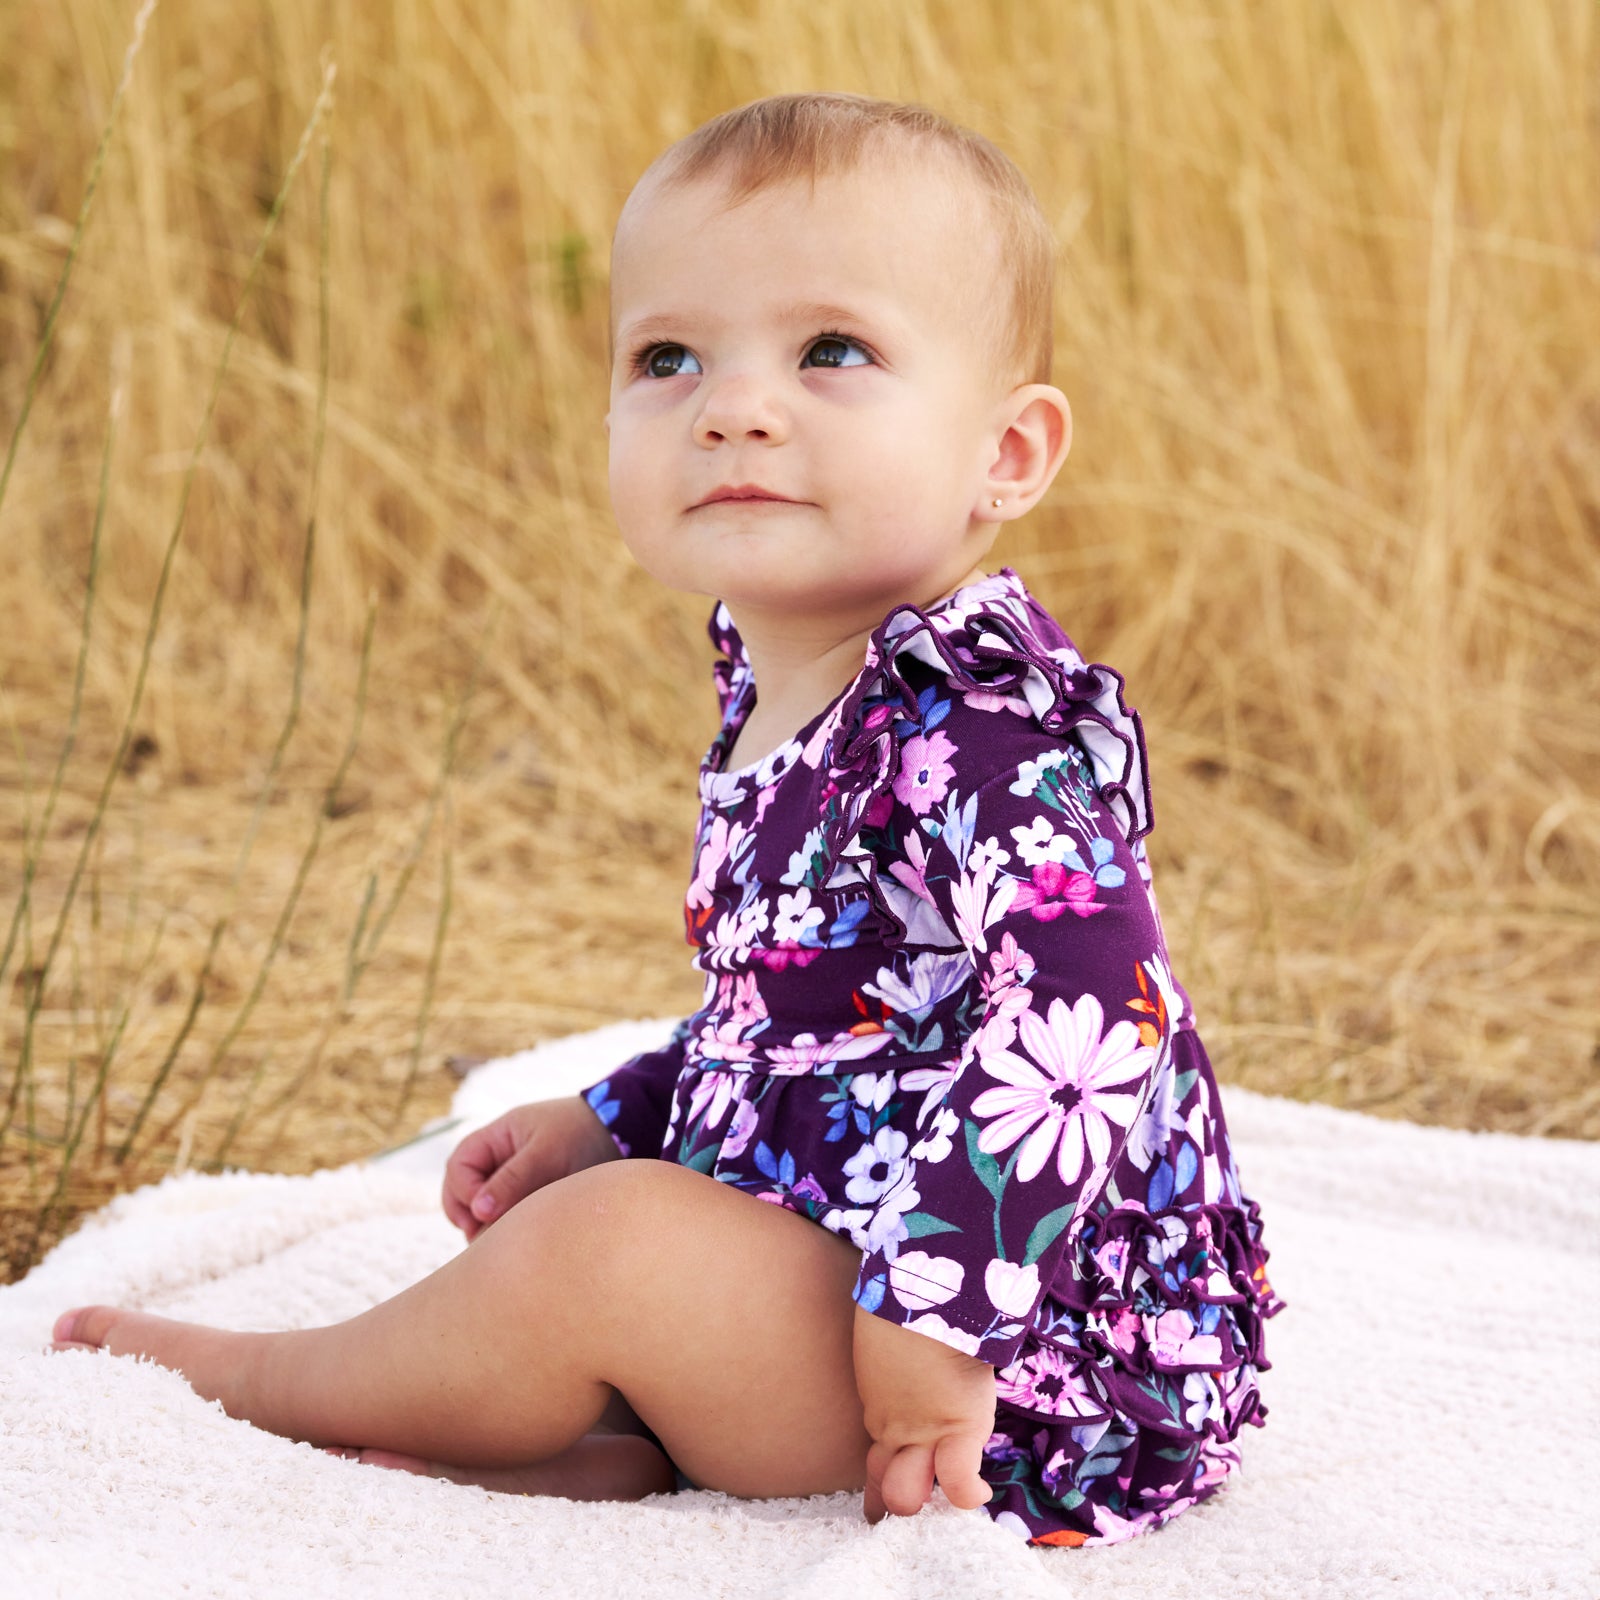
<point x="1329" y="315"/>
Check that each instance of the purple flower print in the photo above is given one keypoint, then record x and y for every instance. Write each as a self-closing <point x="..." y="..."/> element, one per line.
<point x="925" y="772"/>
<point x="998" y="1091"/>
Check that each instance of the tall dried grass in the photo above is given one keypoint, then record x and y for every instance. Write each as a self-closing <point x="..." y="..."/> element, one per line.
<point x="1329" y="315"/>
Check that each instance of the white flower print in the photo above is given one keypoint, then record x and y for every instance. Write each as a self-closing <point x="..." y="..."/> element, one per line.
<point x="796" y="917"/>
<point x="935" y="1327"/>
<point x="852" y="1223"/>
<point x="978" y="905"/>
<point x="800" y="861"/>
<point x="921" y="1281"/>
<point x="987" y="857"/>
<point x="1012" y="1289"/>
<point x="932" y="977"/>
<point x="936" y="1144"/>
<point x="1202" y="1400"/>
<point x="806" y="1053"/>
<point x="1012" y="1523"/>
<point x="872" y="1170"/>
<point x="713" y="1093"/>
<point x="881" y="1227"/>
<point x="935" y="1080"/>
<point x="914" y="906"/>
<point x="778" y="762"/>
<point x="736" y="932"/>
<point x="1067" y="1101"/>
<point x="1034" y="842"/>
<point x="871" y="1090"/>
<point x="886" y="1227"/>
<point x="1030" y="774"/>
<point x="1147" y="1140"/>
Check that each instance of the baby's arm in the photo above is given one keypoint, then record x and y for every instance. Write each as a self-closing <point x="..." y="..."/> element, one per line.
<point x="929" y="1410"/>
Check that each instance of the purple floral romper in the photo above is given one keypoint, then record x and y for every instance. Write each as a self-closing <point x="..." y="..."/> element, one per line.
<point x="939" y="1021"/>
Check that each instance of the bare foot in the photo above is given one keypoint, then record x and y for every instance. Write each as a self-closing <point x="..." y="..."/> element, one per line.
<point x="223" y="1366"/>
<point x="597" y="1467"/>
<point x="218" y="1364"/>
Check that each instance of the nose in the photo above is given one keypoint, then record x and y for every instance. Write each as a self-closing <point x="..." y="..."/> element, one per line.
<point x="739" y="406"/>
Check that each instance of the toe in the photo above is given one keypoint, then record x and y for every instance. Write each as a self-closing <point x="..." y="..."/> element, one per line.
<point x="65" y="1332"/>
<point x="86" y="1326"/>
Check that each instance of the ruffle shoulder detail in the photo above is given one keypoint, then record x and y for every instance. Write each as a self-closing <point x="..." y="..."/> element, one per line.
<point x="990" y="638"/>
<point x="732" y="667"/>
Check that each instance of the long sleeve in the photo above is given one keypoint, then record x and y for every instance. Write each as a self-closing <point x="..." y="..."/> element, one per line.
<point x="635" y="1101"/>
<point x="1034" y="875"/>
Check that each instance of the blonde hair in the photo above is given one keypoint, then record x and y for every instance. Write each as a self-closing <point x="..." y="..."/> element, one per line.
<point x="790" y="137"/>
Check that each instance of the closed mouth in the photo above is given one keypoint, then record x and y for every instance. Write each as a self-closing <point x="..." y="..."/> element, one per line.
<point x="743" y="494"/>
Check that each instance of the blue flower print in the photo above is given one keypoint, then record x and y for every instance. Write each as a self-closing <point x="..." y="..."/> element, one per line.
<point x="603" y="1108"/>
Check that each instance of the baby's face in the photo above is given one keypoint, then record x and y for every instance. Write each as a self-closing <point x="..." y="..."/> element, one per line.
<point x="805" y="390"/>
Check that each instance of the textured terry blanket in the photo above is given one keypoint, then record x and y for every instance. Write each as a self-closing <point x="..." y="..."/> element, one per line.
<point x="1435" y="1428"/>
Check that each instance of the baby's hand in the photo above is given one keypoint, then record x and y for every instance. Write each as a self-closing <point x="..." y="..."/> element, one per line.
<point x="528" y="1147"/>
<point x="929" y="1410"/>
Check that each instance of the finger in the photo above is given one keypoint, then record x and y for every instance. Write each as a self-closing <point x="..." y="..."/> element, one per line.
<point x="908" y="1480"/>
<point x="957" y="1459"/>
<point x="470" y="1164"/>
<point x="474" y="1164"/>
<point x="515" y="1179"/>
<point x="872" y="1506"/>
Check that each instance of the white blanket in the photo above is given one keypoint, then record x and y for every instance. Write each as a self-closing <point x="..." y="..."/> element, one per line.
<point x="1435" y="1429"/>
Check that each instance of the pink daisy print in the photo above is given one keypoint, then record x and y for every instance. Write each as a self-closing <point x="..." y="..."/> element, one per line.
<point x="1067" y="1102"/>
<point x="925" y="771"/>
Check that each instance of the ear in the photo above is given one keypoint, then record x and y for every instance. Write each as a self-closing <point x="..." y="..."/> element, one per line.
<point x="1035" y="436"/>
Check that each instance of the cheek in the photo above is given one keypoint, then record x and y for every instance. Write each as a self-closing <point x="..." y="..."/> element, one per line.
<point x="631" y="467"/>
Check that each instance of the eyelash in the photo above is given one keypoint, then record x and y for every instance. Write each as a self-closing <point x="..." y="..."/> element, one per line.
<point x="639" y="361"/>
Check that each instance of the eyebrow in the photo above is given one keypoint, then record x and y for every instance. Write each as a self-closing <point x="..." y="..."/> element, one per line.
<point x="662" y="325"/>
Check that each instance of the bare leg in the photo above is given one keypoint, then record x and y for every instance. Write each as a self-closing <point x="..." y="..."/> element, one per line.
<point x="724" y="1323"/>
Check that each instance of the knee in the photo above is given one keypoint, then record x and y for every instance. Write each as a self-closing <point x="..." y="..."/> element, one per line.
<point x="608" y="1215"/>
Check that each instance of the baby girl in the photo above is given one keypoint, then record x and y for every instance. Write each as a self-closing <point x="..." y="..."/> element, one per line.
<point x="1004" y="1248"/>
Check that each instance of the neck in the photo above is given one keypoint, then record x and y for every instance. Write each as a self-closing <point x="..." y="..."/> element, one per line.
<point x="802" y="662"/>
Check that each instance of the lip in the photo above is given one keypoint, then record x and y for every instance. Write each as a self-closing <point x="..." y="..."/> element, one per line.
<point x="743" y="494"/>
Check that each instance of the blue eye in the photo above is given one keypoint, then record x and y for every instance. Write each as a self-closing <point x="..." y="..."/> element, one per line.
<point x="668" y="361"/>
<point x="834" y="350"/>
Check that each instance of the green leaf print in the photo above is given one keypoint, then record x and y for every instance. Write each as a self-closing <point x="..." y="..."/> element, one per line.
<point x="982" y="1163"/>
<point x="702" y="1160"/>
<point x="919" y="1224"/>
<point x="1182" y="1084"/>
<point x="1045" y="1232"/>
